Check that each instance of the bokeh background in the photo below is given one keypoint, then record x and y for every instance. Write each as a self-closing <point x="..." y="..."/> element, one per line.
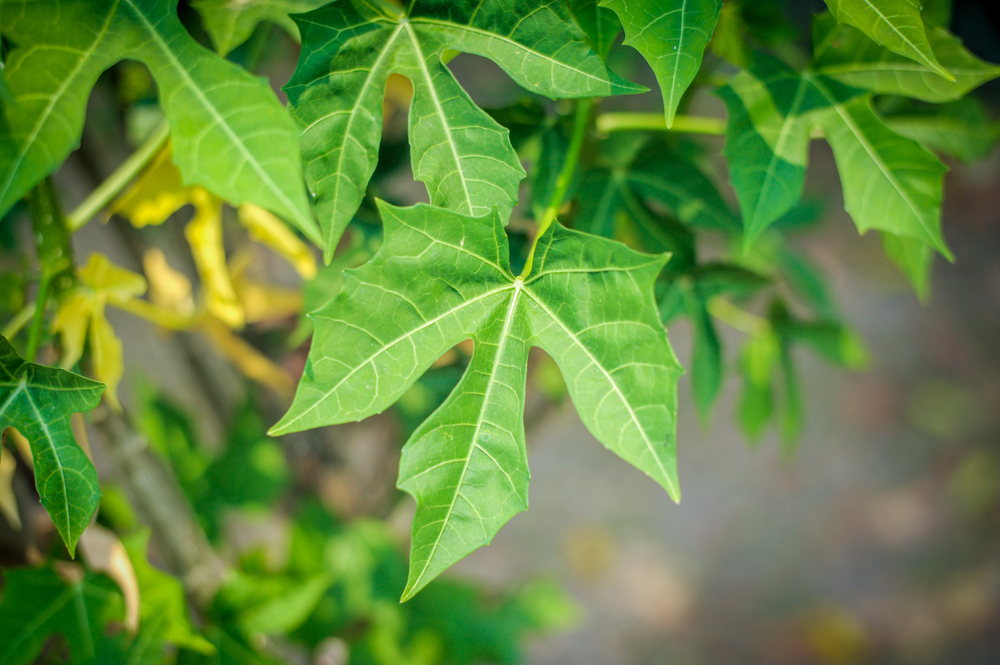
<point x="876" y="541"/>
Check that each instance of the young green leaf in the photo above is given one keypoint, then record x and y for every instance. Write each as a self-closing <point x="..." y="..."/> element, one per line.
<point x="756" y="405"/>
<point x="959" y="129"/>
<point x="229" y="23"/>
<point x="849" y="56"/>
<point x="671" y="35"/>
<point x="457" y="150"/>
<point x="767" y="140"/>
<point x="229" y="132"/>
<point x="600" y="23"/>
<point x="39" y="603"/>
<point x="442" y="277"/>
<point x="890" y="183"/>
<point x="706" y="356"/>
<point x="895" y="24"/>
<point x="39" y="401"/>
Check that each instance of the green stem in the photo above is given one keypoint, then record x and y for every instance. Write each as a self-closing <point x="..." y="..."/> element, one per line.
<point x="580" y="121"/>
<point x="122" y="176"/>
<point x="38" y="322"/>
<point x="19" y="321"/>
<point x="737" y="318"/>
<point x="684" y="124"/>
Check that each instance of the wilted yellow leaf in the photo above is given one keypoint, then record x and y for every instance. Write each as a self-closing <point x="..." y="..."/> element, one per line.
<point x="116" y="284"/>
<point x="71" y="322"/>
<point x="262" y="302"/>
<point x="158" y="193"/>
<point x="106" y="554"/>
<point x="204" y="234"/>
<point x="247" y="359"/>
<point x="22" y="445"/>
<point x="106" y="354"/>
<point x="267" y="229"/>
<point x="168" y="288"/>
<point x="8" y="502"/>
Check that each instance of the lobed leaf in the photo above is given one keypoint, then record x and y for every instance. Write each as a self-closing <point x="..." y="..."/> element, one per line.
<point x="442" y="277"/>
<point x="671" y="35"/>
<point x="229" y="132"/>
<point x="600" y="23"/>
<point x="895" y="24"/>
<point x="230" y="23"/>
<point x="39" y="402"/>
<point x="457" y="150"/>
<point x="847" y="55"/>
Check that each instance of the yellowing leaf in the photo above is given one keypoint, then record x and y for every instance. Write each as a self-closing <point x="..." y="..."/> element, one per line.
<point x="247" y="359"/>
<point x="106" y="354"/>
<point x="117" y="284"/>
<point x="168" y="288"/>
<point x="8" y="502"/>
<point x="204" y="234"/>
<point x="105" y="553"/>
<point x="158" y="193"/>
<point x="22" y="445"/>
<point x="263" y="302"/>
<point x="268" y="229"/>
<point x="70" y="323"/>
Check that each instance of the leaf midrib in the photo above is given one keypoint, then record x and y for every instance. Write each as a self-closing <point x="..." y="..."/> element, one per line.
<point x="518" y="287"/>
<point x="290" y="207"/>
<point x="43" y="118"/>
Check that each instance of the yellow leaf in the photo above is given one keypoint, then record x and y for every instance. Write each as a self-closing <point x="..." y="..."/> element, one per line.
<point x="23" y="447"/>
<point x="398" y="95"/>
<point x="158" y="193"/>
<point x="247" y="359"/>
<point x="269" y="230"/>
<point x="71" y="322"/>
<point x="106" y="354"/>
<point x="168" y="288"/>
<point x="262" y="302"/>
<point x="8" y="502"/>
<point x="204" y="234"/>
<point x="106" y="554"/>
<point x="117" y="284"/>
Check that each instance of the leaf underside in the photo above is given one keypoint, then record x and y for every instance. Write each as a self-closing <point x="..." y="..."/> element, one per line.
<point x="442" y="277"/>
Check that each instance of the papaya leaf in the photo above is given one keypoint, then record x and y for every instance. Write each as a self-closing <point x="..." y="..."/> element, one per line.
<point x="767" y="140"/>
<point x="958" y="129"/>
<point x="229" y="132"/>
<point x="600" y="23"/>
<point x="671" y="35"/>
<point x="890" y="182"/>
<point x="914" y="258"/>
<point x="849" y="56"/>
<point x="756" y="404"/>
<point x="442" y="277"/>
<point x="895" y="24"/>
<point x="39" y="603"/>
<point x="229" y="23"/>
<point x="461" y="154"/>
<point x="706" y="355"/>
<point x="39" y="401"/>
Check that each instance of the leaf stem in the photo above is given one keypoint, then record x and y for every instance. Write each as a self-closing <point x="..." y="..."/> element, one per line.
<point x="581" y="119"/>
<point x="119" y="178"/>
<point x="737" y="318"/>
<point x="684" y="124"/>
<point x="38" y="320"/>
<point x="19" y="321"/>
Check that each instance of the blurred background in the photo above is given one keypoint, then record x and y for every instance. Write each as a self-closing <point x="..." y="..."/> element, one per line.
<point x="876" y="541"/>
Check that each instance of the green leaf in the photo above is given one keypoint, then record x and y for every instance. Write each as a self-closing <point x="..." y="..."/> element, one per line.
<point x="600" y="23"/>
<point x="671" y="35"/>
<point x="39" y="402"/>
<point x="914" y="258"/>
<point x="286" y="610"/>
<point x="895" y="24"/>
<point x="756" y="405"/>
<point x="461" y="154"/>
<point x="164" y="610"/>
<point x="959" y="129"/>
<point x="890" y="183"/>
<point x="229" y="132"/>
<point x="39" y="603"/>
<point x="726" y="279"/>
<point x="230" y="23"/>
<point x="442" y="277"/>
<point x="767" y="140"/>
<point x="849" y="56"/>
<point x="706" y="355"/>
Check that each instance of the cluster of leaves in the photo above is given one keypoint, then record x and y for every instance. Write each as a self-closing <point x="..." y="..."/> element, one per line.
<point x="635" y="246"/>
<point x="336" y="580"/>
